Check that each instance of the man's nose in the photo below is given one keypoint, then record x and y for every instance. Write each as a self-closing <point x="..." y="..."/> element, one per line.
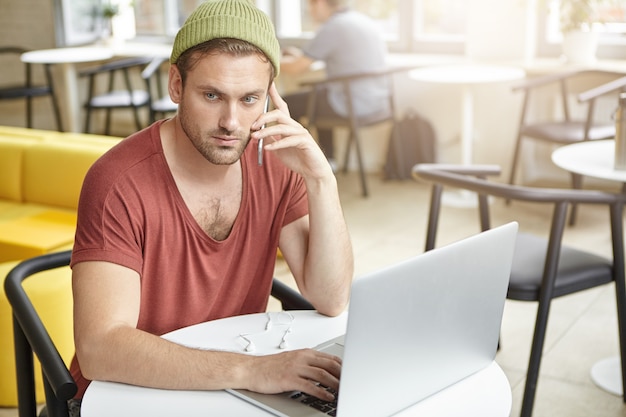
<point x="229" y="118"/>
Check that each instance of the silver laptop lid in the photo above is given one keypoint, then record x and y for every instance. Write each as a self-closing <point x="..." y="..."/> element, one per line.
<point x="419" y="326"/>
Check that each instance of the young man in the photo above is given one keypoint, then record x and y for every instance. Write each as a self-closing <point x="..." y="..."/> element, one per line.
<point x="178" y="224"/>
<point x="348" y="43"/>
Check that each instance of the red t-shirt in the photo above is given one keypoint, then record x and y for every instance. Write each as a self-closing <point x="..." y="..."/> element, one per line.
<point x="132" y="214"/>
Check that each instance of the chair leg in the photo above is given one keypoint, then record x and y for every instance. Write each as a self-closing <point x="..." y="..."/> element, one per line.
<point x="25" y="372"/>
<point x="57" y="113"/>
<point x="137" y="118"/>
<point x="359" y="156"/>
<point x="516" y="154"/>
<point x="53" y="98"/>
<point x="87" y="119"/>
<point x="29" y="112"/>
<point x="617" y="230"/>
<point x="346" y="158"/>
<point x="107" y="123"/>
<point x="536" y="350"/>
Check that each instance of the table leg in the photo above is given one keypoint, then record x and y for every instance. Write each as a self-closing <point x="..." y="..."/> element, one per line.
<point x="467" y="125"/>
<point x="464" y="198"/>
<point x="70" y="101"/>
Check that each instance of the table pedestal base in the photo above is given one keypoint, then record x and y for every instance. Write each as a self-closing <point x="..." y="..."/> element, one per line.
<point x="607" y="375"/>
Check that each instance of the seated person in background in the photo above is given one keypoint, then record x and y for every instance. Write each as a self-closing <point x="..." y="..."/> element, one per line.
<point x="178" y="224"/>
<point x="348" y="43"/>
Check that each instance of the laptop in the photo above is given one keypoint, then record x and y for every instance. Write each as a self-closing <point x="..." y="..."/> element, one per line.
<point x="414" y="328"/>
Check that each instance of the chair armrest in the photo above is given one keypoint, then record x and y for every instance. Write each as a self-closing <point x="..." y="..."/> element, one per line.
<point x="611" y="86"/>
<point x="116" y="65"/>
<point x="476" y="170"/>
<point x="289" y="298"/>
<point x="468" y="177"/>
<point x="533" y="82"/>
<point x="29" y="325"/>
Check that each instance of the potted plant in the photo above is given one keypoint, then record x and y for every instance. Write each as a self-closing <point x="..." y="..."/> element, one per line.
<point x="577" y="21"/>
<point x="108" y="12"/>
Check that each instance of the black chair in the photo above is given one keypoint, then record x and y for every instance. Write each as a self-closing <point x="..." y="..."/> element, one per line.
<point x="543" y="268"/>
<point x="569" y="129"/>
<point x="160" y="104"/>
<point x="27" y="90"/>
<point x="353" y="122"/>
<point x="126" y="97"/>
<point x="31" y="337"/>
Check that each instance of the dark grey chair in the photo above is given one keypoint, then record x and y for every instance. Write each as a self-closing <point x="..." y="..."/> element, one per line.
<point x="27" y="89"/>
<point x="115" y="97"/>
<point x="31" y="337"/>
<point x="352" y="122"/>
<point x="569" y="129"/>
<point x="160" y="103"/>
<point x="543" y="268"/>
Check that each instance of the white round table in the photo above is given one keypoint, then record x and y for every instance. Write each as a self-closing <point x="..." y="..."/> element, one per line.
<point x="595" y="159"/>
<point x="68" y="58"/>
<point x="592" y="158"/>
<point x="466" y="76"/>
<point x="486" y="393"/>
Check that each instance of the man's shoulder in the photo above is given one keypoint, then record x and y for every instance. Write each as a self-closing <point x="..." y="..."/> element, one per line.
<point x="129" y="154"/>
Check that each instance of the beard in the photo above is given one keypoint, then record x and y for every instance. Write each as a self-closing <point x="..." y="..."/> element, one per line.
<point x="203" y="142"/>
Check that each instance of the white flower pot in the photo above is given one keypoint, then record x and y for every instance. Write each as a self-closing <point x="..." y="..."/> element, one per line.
<point x="579" y="47"/>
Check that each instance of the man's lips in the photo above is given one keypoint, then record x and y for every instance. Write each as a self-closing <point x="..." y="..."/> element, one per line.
<point x="226" y="140"/>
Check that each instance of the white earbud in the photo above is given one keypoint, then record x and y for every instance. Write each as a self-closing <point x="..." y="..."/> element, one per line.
<point x="283" y="343"/>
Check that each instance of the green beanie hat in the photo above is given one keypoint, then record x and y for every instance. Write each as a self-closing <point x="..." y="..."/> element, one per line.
<point x="237" y="19"/>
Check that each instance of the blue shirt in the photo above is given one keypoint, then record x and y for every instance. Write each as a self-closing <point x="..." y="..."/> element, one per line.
<point x="349" y="43"/>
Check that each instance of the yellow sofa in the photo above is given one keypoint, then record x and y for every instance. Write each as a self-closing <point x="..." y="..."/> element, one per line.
<point x="41" y="174"/>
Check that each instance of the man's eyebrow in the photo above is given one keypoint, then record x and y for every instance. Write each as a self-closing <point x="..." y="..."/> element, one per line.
<point x="213" y="89"/>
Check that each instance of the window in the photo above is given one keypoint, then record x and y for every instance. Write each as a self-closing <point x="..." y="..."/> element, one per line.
<point x="437" y="25"/>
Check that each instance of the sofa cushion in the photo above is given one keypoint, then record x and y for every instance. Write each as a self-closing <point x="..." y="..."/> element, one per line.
<point x="53" y="171"/>
<point x="11" y="161"/>
<point x="29" y="236"/>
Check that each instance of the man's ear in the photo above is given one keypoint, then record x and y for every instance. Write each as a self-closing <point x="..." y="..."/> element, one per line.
<point x="175" y="84"/>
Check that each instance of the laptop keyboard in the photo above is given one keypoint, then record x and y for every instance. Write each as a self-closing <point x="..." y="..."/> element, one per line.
<point x="326" y="407"/>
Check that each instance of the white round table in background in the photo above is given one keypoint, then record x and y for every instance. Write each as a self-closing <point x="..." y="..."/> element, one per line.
<point x="67" y="58"/>
<point x="466" y="76"/>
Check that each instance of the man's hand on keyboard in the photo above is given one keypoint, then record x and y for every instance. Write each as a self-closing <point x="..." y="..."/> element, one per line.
<point x="298" y="370"/>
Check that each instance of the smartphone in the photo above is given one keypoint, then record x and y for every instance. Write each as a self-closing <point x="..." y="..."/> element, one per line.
<point x="260" y="143"/>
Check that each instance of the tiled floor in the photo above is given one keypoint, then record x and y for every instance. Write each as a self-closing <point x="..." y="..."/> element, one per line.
<point x="390" y="226"/>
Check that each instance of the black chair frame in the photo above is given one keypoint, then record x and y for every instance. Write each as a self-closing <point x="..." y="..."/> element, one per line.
<point x="31" y="337"/>
<point x="554" y="280"/>
<point x="160" y="103"/>
<point x="124" y="98"/>
<point x="569" y="130"/>
<point x="28" y="90"/>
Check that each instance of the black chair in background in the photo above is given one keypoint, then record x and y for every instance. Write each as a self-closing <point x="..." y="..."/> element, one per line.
<point x="543" y="268"/>
<point x="160" y="103"/>
<point x="352" y="122"/>
<point x="31" y="337"/>
<point x="568" y="129"/>
<point x="27" y="89"/>
<point x="125" y="97"/>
